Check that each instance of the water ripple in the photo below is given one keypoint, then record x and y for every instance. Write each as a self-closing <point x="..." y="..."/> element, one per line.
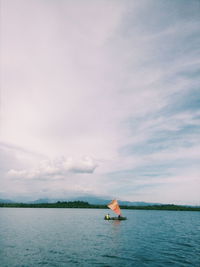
<point x="80" y="237"/>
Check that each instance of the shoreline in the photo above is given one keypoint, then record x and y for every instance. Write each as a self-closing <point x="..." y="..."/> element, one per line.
<point x="86" y="205"/>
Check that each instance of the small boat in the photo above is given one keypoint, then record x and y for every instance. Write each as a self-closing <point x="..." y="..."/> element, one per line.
<point x="115" y="218"/>
<point x="114" y="206"/>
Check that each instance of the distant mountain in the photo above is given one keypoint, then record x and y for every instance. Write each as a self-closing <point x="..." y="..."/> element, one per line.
<point x="44" y="200"/>
<point x="93" y="200"/>
<point x="102" y="201"/>
<point x="128" y="203"/>
<point x="6" y="201"/>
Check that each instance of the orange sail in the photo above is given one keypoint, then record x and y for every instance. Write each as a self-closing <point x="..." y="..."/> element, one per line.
<point x="113" y="205"/>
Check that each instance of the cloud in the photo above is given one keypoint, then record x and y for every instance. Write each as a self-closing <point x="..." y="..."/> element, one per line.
<point x="124" y="90"/>
<point x="57" y="168"/>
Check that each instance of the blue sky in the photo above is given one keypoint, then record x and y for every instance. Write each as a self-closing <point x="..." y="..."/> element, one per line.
<point x="102" y="98"/>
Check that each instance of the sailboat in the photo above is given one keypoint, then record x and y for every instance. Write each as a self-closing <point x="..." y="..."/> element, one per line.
<point x="114" y="206"/>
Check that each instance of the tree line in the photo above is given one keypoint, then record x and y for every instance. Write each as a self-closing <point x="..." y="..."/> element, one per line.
<point x="83" y="204"/>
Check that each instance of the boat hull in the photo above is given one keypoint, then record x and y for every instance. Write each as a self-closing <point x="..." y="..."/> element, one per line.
<point x="115" y="218"/>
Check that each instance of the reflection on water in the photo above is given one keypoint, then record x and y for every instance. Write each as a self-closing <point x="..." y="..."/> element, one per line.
<point x="116" y="222"/>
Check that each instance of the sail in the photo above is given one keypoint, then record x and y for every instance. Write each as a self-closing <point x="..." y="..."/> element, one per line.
<point x="113" y="205"/>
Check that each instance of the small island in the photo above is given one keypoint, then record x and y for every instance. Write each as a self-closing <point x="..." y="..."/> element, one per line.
<point x="86" y="205"/>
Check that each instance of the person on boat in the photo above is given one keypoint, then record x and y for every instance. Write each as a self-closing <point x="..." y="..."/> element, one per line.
<point x="119" y="216"/>
<point x="107" y="216"/>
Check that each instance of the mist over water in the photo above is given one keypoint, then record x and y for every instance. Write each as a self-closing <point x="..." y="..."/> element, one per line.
<point x="80" y="237"/>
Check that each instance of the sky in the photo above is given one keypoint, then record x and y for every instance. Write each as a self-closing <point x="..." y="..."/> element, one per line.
<point x="100" y="98"/>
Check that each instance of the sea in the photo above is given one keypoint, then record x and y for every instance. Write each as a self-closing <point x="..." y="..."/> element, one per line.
<point x="81" y="237"/>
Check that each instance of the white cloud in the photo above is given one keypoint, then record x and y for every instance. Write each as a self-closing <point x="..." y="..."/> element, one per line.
<point x="90" y="79"/>
<point x="56" y="168"/>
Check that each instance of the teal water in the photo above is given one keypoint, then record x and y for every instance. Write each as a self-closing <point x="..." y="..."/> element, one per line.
<point x="80" y="237"/>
